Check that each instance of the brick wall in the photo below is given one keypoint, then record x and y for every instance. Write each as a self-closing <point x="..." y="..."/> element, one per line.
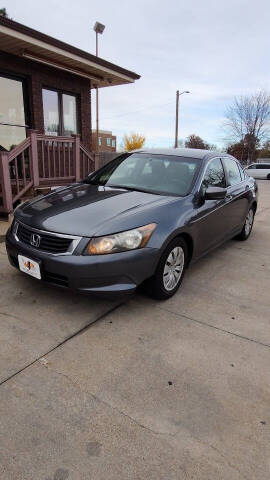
<point x="36" y="77"/>
<point x="103" y="136"/>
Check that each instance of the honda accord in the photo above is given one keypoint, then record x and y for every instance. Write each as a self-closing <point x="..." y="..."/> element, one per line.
<point x="141" y="219"/>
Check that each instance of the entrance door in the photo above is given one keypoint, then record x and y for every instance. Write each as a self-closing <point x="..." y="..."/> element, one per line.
<point x="12" y="113"/>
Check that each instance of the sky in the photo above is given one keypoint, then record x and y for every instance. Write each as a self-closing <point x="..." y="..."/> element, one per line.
<point x="215" y="49"/>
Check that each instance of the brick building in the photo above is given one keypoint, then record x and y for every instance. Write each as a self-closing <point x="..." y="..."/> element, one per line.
<point x="106" y="141"/>
<point x="45" y="84"/>
<point x="45" y="110"/>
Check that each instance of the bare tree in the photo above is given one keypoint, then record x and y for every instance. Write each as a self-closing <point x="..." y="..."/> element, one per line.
<point x="247" y="121"/>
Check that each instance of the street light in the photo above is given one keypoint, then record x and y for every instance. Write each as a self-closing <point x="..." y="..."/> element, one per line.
<point x="99" y="29"/>
<point x="177" y="116"/>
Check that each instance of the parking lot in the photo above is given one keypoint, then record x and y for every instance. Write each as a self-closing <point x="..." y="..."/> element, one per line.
<point x="94" y="389"/>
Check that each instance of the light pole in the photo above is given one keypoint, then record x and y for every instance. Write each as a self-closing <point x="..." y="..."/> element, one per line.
<point x="99" y="29"/>
<point x="177" y="116"/>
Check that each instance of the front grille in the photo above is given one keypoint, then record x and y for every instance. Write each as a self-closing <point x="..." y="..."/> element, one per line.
<point x="48" y="243"/>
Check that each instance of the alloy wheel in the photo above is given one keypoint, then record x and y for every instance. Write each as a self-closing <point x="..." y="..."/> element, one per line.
<point x="249" y="222"/>
<point x="173" y="268"/>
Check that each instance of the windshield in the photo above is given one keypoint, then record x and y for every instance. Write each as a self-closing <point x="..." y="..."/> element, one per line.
<point x="161" y="174"/>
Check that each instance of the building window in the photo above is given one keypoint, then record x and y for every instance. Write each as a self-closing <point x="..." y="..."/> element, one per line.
<point x="108" y="142"/>
<point x="51" y="112"/>
<point x="69" y="114"/>
<point x="60" y="113"/>
<point x="99" y="141"/>
<point x="113" y="143"/>
<point x="12" y="113"/>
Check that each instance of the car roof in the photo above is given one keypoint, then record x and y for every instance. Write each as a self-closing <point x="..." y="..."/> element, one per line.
<point x="182" y="152"/>
<point x="262" y="163"/>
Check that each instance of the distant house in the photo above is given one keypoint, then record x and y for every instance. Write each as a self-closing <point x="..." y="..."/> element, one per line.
<point x="106" y="141"/>
<point x="45" y="109"/>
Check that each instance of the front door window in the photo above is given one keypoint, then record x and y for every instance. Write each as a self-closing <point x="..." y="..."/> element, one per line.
<point x="214" y="175"/>
<point x="12" y="113"/>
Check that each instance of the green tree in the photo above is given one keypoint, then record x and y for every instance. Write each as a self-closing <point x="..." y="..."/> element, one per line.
<point x="3" y="13"/>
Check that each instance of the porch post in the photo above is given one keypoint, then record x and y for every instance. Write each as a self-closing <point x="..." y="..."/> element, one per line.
<point x="34" y="157"/>
<point x="76" y="157"/>
<point x="5" y="182"/>
<point x="96" y="161"/>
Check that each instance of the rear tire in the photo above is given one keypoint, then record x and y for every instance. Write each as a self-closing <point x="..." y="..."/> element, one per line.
<point x="268" y="176"/>
<point x="247" y="228"/>
<point x="170" y="270"/>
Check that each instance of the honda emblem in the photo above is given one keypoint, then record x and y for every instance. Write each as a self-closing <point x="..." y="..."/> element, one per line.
<point x="35" y="240"/>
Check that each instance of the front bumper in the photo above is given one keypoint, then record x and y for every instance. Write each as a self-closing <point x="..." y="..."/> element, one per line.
<point x="108" y="275"/>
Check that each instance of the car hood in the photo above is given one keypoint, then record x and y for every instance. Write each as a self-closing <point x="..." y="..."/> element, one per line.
<point x="88" y="210"/>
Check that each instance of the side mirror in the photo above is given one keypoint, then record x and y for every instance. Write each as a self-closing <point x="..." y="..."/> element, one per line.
<point x="215" y="193"/>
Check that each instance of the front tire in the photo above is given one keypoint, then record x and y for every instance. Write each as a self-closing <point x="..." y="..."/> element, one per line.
<point x="247" y="228"/>
<point x="268" y="176"/>
<point x="170" y="270"/>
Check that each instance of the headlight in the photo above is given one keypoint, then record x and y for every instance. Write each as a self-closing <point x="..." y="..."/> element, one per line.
<point x="121" y="242"/>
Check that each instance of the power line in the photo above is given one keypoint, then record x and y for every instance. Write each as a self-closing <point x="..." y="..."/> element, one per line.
<point x="138" y="111"/>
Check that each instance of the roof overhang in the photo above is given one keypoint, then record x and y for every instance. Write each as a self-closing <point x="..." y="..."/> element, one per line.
<point x="36" y="46"/>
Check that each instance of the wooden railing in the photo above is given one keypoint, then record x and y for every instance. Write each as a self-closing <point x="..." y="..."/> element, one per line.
<point x="16" y="176"/>
<point x="56" y="158"/>
<point x="42" y="160"/>
<point x="88" y="162"/>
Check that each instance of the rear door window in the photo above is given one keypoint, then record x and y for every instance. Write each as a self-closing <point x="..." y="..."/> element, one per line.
<point x="233" y="173"/>
<point x="242" y="173"/>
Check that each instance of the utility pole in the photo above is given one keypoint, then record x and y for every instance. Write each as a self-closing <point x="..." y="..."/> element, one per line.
<point x="97" y="120"/>
<point x="177" y="116"/>
<point x="96" y="44"/>
<point x="97" y="109"/>
<point x="176" y="120"/>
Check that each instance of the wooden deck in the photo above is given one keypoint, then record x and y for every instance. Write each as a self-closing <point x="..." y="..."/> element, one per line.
<point x="42" y="160"/>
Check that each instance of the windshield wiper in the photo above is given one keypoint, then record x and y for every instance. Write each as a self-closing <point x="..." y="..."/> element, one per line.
<point x="125" y="187"/>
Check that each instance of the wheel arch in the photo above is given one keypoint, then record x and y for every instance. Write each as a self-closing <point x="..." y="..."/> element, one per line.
<point x="190" y="245"/>
<point x="254" y="205"/>
<point x="188" y="240"/>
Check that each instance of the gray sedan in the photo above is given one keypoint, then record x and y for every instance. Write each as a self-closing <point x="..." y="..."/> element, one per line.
<point x="141" y="219"/>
